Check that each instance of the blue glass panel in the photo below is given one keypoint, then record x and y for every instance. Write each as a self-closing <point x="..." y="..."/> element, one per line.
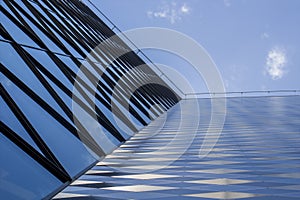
<point x="73" y="51"/>
<point x="51" y="45"/>
<point x="118" y="124"/>
<point x="16" y="65"/>
<point x="67" y="100"/>
<point x="21" y="177"/>
<point x="112" y="119"/>
<point x="46" y="62"/>
<point x="8" y="118"/>
<point x="68" y="61"/>
<point x="66" y="147"/>
<point x="14" y="30"/>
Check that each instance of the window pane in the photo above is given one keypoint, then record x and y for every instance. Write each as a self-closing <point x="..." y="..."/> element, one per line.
<point x="16" y="65"/>
<point x="14" y="30"/>
<point x="66" y="147"/>
<point x="21" y="177"/>
<point x="8" y="118"/>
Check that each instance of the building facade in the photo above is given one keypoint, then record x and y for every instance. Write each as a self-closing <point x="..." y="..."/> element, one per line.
<point x="57" y="57"/>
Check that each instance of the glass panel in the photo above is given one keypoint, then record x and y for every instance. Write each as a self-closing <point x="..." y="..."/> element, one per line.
<point x="8" y="118"/>
<point x="104" y="110"/>
<point x="46" y="62"/>
<point x="17" y="34"/>
<point x="73" y="51"/>
<point x="17" y="66"/>
<point x="107" y="112"/>
<point x="95" y="130"/>
<point x="21" y="177"/>
<point x="51" y="45"/>
<point x="69" y="150"/>
<point x="113" y="119"/>
<point x="146" y="119"/>
<point x="119" y="125"/>
<point x="67" y="100"/>
<point x="69" y="63"/>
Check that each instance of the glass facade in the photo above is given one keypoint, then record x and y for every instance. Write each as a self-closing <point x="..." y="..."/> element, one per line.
<point x="45" y="46"/>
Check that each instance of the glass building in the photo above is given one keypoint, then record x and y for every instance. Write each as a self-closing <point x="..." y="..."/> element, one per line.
<point x="46" y="75"/>
<point x="73" y="92"/>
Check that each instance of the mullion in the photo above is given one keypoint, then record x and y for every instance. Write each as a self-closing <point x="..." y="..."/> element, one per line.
<point x="136" y="61"/>
<point x="44" y="28"/>
<point x="34" y="154"/>
<point x="29" y="128"/>
<point x="100" y="116"/>
<point x="38" y="100"/>
<point x="53" y="93"/>
<point x="134" y="80"/>
<point x="111" y="85"/>
<point x="121" y="98"/>
<point x="75" y="29"/>
<point x="137" y="58"/>
<point x="71" y="16"/>
<point x="79" y="18"/>
<point x="61" y="31"/>
<point x="129" y="66"/>
<point x="108" y="81"/>
<point x="142" y="95"/>
<point x="71" y="77"/>
<point x="32" y="35"/>
<point x="59" y="65"/>
<point x="72" y="31"/>
<point x="43" y="104"/>
<point x="28" y="60"/>
<point x="128" y="82"/>
<point x="168" y="95"/>
<point x="96" y="25"/>
<point x="129" y="58"/>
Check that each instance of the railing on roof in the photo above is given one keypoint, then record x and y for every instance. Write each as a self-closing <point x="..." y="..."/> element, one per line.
<point x="254" y="93"/>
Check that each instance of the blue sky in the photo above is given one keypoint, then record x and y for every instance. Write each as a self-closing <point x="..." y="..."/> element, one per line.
<point x="254" y="43"/>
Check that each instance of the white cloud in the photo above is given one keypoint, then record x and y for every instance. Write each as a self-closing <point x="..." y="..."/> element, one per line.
<point x="276" y="63"/>
<point x="170" y="11"/>
<point x="264" y="35"/>
<point x="185" y="9"/>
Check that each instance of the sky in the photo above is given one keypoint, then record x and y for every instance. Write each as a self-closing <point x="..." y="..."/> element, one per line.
<point x="255" y="44"/>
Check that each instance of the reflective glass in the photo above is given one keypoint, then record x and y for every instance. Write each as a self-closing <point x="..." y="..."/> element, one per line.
<point x="73" y="51"/>
<point x="21" y="177"/>
<point x="10" y="120"/>
<point x="16" y="65"/>
<point x="68" y="61"/>
<point x="123" y="129"/>
<point x="66" y="99"/>
<point x="17" y="34"/>
<point x="44" y="59"/>
<point x="66" y="147"/>
<point x="45" y="39"/>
